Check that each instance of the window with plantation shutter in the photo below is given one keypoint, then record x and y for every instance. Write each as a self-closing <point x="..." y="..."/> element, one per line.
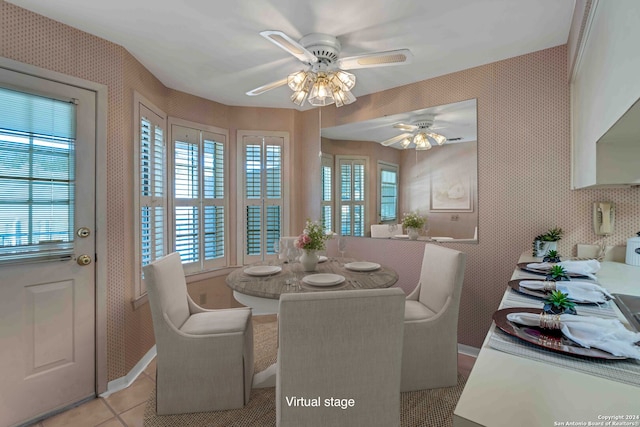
<point x="262" y="158"/>
<point x="352" y="194"/>
<point x="198" y="177"/>
<point x="388" y="192"/>
<point x="151" y="223"/>
<point x="326" y="202"/>
<point x="37" y="180"/>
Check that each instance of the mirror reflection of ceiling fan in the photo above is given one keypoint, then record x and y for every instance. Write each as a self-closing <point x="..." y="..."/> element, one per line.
<point x="324" y="81"/>
<point x="419" y="135"/>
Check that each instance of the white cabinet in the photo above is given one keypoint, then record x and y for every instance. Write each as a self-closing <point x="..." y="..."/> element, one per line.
<point x="605" y="84"/>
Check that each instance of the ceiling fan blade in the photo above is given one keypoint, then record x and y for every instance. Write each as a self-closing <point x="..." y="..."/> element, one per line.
<point x="395" y="139"/>
<point x="265" y="88"/>
<point x="405" y="127"/>
<point x="376" y="59"/>
<point x="285" y="42"/>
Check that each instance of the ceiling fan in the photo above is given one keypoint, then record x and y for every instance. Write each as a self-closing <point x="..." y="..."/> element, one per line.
<point x="325" y="81"/>
<point x="419" y="134"/>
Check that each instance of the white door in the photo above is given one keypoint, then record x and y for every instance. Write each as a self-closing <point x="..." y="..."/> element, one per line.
<point x="47" y="203"/>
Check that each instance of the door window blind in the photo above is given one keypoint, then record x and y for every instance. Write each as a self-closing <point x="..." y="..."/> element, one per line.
<point x="37" y="188"/>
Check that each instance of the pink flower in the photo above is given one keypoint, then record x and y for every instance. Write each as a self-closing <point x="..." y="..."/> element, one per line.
<point x="302" y="241"/>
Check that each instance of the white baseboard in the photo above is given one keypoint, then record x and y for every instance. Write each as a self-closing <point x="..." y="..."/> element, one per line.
<point x="468" y="350"/>
<point x="124" y="382"/>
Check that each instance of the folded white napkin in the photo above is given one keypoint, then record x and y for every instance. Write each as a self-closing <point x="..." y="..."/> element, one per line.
<point x="606" y="334"/>
<point x="584" y="268"/>
<point x="577" y="290"/>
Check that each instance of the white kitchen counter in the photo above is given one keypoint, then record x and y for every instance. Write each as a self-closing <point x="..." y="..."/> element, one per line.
<point x="509" y="390"/>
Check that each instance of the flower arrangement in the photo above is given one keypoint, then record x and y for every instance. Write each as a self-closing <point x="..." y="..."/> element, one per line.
<point x="413" y="220"/>
<point x="312" y="237"/>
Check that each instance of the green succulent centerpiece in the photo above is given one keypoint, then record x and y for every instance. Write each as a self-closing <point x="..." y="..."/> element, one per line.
<point x="557" y="273"/>
<point x="551" y="256"/>
<point x="543" y="243"/>
<point x="558" y="302"/>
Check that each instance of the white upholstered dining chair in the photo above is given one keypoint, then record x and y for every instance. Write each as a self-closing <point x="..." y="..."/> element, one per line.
<point x="204" y="357"/>
<point x="430" y="347"/>
<point x="341" y="345"/>
<point x="385" y="231"/>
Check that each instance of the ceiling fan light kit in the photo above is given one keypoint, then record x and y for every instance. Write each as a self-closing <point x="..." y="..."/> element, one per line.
<point x="325" y="81"/>
<point x="419" y="135"/>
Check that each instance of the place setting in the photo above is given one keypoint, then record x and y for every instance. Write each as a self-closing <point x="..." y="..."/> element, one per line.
<point x="323" y="281"/>
<point x="575" y="335"/>
<point x="572" y="268"/>
<point x="578" y="291"/>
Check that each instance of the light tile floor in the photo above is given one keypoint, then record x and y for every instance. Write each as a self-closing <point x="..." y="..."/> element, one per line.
<point x="126" y="407"/>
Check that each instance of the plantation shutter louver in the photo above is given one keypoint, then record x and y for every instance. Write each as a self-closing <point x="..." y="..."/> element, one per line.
<point x="153" y="217"/>
<point x="263" y="195"/>
<point x="199" y="192"/>
<point x="326" y="204"/>
<point x="388" y="192"/>
<point x="352" y="185"/>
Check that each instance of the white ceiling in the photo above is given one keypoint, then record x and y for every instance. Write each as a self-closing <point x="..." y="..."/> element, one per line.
<point x="212" y="49"/>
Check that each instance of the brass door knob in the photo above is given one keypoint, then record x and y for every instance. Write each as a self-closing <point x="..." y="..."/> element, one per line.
<point x="84" y="260"/>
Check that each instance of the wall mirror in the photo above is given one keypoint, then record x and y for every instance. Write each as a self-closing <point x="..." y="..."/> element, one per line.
<point x="374" y="171"/>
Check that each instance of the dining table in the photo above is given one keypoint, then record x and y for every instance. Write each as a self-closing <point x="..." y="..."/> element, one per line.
<point x="260" y="285"/>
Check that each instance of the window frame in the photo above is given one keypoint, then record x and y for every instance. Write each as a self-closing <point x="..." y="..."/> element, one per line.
<point x="202" y="265"/>
<point x="327" y="161"/>
<point x="240" y="224"/>
<point x="392" y="167"/>
<point x="138" y="101"/>
<point x="338" y="192"/>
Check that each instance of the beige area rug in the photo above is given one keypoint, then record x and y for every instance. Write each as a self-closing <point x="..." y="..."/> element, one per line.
<point x="426" y="408"/>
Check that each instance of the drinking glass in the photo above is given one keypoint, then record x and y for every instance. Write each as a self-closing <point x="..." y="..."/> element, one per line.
<point x="342" y="246"/>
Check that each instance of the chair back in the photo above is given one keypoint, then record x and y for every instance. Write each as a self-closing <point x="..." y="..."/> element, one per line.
<point x="441" y="276"/>
<point x="167" y="290"/>
<point x="383" y="231"/>
<point x="341" y="345"/>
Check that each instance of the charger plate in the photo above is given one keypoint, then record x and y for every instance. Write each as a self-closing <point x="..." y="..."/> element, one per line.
<point x="515" y="285"/>
<point x="546" y="338"/>
<point x="545" y="271"/>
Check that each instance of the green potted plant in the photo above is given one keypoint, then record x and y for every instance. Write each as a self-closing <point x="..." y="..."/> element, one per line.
<point x="557" y="273"/>
<point x="546" y="242"/>
<point x="551" y="256"/>
<point x="413" y="222"/>
<point x="558" y="303"/>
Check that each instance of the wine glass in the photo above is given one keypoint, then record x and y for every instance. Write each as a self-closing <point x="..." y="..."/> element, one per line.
<point x="276" y="250"/>
<point x="342" y="246"/>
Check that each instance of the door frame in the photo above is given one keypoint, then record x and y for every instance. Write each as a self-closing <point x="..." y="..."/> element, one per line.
<point x="101" y="92"/>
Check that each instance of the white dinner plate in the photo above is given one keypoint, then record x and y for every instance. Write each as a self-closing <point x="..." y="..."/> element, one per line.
<point x="401" y="236"/>
<point x="323" y="279"/>
<point x="262" y="270"/>
<point x="322" y="258"/>
<point x="362" y="266"/>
